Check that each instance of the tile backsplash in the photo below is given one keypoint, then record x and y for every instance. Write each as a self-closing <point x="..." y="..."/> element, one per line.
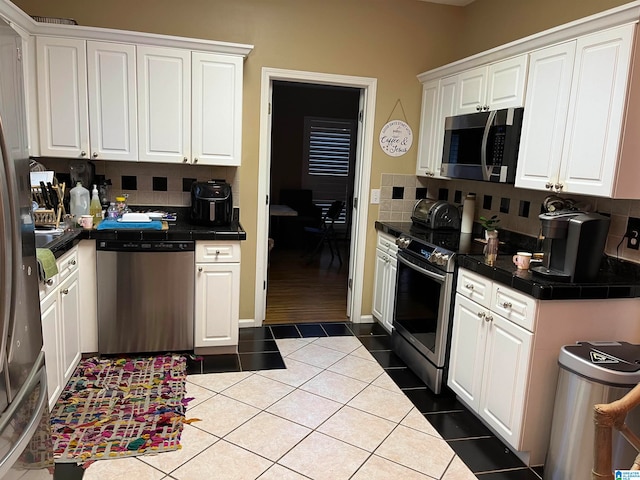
<point x="517" y="208"/>
<point x="154" y="183"/>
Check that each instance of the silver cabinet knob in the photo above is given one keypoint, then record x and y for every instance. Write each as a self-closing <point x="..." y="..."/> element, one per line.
<point x="548" y="185"/>
<point x="469" y="286"/>
<point x="49" y="282"/>
<point x="72" y="262"/>
<point x="217" y="252"/>
<point x="195" y="160"/>
<point x="65" y="291"/>
<point x="83" y="153"/>
<point x="486" y="108"/>
<point x="481" y="314"/>
<point x="558" y="187"/>
<point x="478" y="107"/>
<point x="95" y="155"/>
<point x="507" y="305"/>
<point x="185" y="160"/>
<point x="488" y="318"/>
<point x="200" y="269"/>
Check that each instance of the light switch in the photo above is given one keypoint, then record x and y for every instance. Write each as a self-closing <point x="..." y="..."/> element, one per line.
<point x="375" y="196"/>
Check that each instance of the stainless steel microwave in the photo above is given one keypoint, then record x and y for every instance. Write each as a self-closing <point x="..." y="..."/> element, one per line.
<point x="482" y="146"/>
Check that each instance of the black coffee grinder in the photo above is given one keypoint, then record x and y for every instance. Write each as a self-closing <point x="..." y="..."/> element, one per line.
<point x="573" y="245"/>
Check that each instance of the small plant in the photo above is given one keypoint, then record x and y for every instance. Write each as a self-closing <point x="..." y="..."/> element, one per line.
<point x="490" y="224"/>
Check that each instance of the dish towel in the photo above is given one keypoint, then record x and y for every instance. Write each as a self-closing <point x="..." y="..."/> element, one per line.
<point x="47" y="266"/>
<point x="116" y="225"/>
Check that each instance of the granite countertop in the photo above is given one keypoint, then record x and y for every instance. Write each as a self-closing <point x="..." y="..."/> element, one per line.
<point x="615" y="279"/>
<point x="179" y="230"/>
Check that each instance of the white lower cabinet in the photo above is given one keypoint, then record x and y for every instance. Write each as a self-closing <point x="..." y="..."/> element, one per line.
<point x="385" y="280"/>
<point x="504" y="354"/>
<point x="60" y="317"/>
<point x="217" y="297"/>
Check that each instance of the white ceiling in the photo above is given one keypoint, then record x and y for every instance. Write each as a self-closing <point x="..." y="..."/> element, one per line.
<point x="460" y="3"/>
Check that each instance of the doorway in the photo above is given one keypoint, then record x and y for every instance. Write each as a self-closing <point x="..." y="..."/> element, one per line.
<point x="313" y="145"/>
<point x="355" y="227"/>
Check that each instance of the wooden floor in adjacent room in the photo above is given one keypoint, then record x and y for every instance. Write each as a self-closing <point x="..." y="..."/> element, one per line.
<point x="300" y="291"/>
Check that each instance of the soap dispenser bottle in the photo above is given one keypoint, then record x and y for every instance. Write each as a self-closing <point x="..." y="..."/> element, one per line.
<point x="79" y="201"/>
<point x="95" y="208"/>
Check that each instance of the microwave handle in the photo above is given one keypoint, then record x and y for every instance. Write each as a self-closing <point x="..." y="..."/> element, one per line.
<point x="485" y="138"/>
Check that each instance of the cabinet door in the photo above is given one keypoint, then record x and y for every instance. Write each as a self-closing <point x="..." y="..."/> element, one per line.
<point x="216" y="104"/>
<point x="51" y="329"/>
<point x="596" y="107"/>
<point x="504" y="377"/>
<point x="217" y="303"/>
<point x="164" y="109"/>
<point x="467" y="350"/>
<point x="113" y="123"/>
<point x="506" y="83"/>
<point x="428" y="128"/>
<point x="379" y="289"/>
<point x="61" y="64"/>
<point x="472" y="87"/>
<point x="70" y="320"/>
<point x="545" y="116"/>
<point x="392" y="268"/>
<point x="446" y="108"/>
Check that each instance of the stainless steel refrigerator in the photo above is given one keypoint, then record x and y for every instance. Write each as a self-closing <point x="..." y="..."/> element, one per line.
<point x="25" y="441"/>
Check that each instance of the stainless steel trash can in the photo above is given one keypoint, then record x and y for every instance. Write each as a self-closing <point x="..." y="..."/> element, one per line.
<point x="590" y="373"/>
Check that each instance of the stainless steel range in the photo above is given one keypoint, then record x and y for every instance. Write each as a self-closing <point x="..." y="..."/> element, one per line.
<point x="424" y="289"/>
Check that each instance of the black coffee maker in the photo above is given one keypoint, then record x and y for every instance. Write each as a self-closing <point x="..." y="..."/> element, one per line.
<point x="573" y="245"/>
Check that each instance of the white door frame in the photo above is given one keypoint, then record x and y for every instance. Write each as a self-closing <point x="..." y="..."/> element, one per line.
<point x="360" y="188"/>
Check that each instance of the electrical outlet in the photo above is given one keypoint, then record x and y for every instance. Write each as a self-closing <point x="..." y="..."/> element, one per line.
<point x="375" y="195"/>
<point x="633" y="233"/>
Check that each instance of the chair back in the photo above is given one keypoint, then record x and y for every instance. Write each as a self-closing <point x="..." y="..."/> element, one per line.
<point x="334" y="210"/>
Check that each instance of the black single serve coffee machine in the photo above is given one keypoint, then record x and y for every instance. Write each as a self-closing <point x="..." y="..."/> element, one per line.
<point x="573" y="245"/>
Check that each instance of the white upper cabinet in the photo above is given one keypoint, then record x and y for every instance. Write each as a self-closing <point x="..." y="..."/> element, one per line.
<point x="86" y="99"/>
<point x="190" y="106"/>
<point x="574" y="114"/>
<point x="596" y="107"/>
<point x="438" y="103"/>
<point x="113" y="119"/>
<point x="216" y="105"/>
<point x="164" y="111"/>
<point x="545" y="116"/>
<point x="492" y="87"/>
<point x="62" y="97"/>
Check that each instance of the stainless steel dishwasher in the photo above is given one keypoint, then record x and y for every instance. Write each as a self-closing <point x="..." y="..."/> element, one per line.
<point x="145" y="295"/>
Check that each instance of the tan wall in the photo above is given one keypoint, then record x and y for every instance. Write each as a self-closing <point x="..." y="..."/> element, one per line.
<point x="490" y="23"/>
<point x="392" y="41"/>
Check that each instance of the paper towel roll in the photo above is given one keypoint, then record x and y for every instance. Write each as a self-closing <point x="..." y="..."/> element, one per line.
<point x="468" y="213"/>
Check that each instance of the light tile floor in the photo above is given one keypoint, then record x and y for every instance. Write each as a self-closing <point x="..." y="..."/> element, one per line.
<point x="333" y="414"/>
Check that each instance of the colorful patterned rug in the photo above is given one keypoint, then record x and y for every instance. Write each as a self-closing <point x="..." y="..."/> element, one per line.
<point x="113" y="408"/>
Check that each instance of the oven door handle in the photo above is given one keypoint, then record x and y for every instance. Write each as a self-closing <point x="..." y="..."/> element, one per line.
<point x="428" y="273"/>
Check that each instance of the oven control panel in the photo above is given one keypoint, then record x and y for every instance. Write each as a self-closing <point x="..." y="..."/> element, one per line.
<point x="433" y="254"/>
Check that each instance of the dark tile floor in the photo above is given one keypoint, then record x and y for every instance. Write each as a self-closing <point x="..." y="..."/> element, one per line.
<point x="482" y="451"/>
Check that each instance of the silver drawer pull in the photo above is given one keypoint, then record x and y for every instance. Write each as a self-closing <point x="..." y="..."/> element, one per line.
<point x="507" y="305"/>
<point x="72" y="262"/>
<point x="469" y="286"/>
<point x="488" y="318"/>
<point x="49" y="282"/>
<point x="65" y="291"/>
<point x="481" y="314"/>
<point x="200" y="269"/>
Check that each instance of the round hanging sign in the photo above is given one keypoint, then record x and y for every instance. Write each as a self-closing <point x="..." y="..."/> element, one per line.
<point x="396" y="138"/>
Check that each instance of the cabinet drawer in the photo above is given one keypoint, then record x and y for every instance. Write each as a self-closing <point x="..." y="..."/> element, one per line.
<point x="214" y="252"/>
<point x="514" y="306"/>
<point x="474" y="286"/>
<point x="67" y="263"/>
<point x="387" y="243"/>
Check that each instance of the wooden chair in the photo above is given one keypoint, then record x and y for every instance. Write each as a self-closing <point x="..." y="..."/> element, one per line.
<point x="607" y="416"/>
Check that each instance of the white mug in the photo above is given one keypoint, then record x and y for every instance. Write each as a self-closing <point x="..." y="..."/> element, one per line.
<point x="522" y="260"/>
